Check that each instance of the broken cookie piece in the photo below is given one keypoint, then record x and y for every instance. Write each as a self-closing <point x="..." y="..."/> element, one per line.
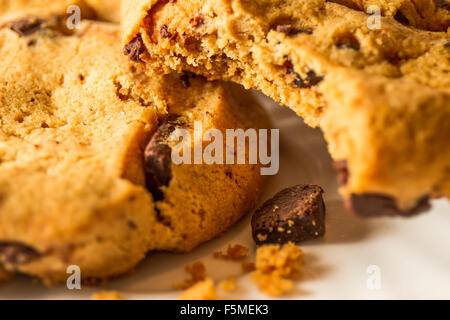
<point x="74" y="136"/>
<point x="295" y="214"/>
<point x="379" y="94"/>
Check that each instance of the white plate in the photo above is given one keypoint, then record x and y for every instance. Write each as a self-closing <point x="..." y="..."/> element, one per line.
<point x="407" y="258"/>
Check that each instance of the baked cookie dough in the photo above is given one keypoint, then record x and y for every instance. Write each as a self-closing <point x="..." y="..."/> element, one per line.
<point x="82" y="142"/>
<point x="380" y="95"/>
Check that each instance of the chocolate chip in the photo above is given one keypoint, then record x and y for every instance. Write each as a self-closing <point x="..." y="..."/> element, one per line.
<point x="342" y="169"/>
<point x="290" y="30"/>
<point x="400" y="17"/>
<point x="132" y="225"/>
<point x="295" y="214"/>
<point x="15" y="254"/>
<point x="348" y="41"/>
<point x="185" y="78"/>
<point x="198" y="21"/>
<point x="135" y="49"/>
<point x="158" y="160"/>
<point x="447" y="45"/>
<point x="443" y="4"/>
<point x="312" y="79"/>
<point x="165" y="32"/>
<point x="26" y="27"/>
<point x="377" y="205"/>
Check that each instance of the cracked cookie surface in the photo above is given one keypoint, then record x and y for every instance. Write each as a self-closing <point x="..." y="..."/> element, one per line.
<point x="381" y="96"/>
<point x="76" y="121"/>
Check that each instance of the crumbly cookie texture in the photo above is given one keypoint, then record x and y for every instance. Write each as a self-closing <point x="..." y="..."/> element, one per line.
<point x="277" y="267"/>
<point x="76" y="165"/>
<point x="233" y="252"/>
<point x="203" y="290"/>
<point x="381" y="96"/>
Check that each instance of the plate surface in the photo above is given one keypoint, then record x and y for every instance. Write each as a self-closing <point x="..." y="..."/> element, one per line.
<point x="388" y="258"/>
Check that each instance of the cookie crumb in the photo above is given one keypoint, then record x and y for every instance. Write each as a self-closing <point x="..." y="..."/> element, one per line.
<point x="203" y="290"/>
<point x="106" y="295"/>
<point x="228" y="285"/>
<point x="197" y="271"/>
<point x="272" y="284"/>
<point x="234" y="252"/>
<point x="276" y="267"/>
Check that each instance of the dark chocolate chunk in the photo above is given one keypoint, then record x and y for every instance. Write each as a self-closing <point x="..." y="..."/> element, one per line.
<point x="377" y="205"/>
<point x="400" y="17"/>
<point x="158" y="160"/>
<point x="31" y="43"/>
<point x="294" y="214"/>
<point x="26" y="27"/>
<point x="289" y="67"/>
<point x="165" y="32"/>
<point x="198" y="21"/>
<point x="311" y="80"/>
<point x="185" y="78"/>
<point x="135" y="49"/>
<point x="342" y="169"/>
<point x="443" y="4"/>
<point x="15" y="254"/>
<point x="286" y="29"/>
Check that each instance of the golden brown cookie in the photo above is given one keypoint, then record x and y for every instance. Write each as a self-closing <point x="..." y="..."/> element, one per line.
<point x="83" y="145"/>
<point x="380" y="93"/>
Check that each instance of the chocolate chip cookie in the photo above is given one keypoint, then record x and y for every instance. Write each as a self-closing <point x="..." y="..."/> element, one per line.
<point x="380" y="93"/>
<point x="85" y="171"/>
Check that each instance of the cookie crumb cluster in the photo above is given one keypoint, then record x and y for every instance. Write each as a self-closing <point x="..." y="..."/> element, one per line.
<point x="197" y="271"/>
<point x="277" y="267"/>
<point x="234" y="252"/>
